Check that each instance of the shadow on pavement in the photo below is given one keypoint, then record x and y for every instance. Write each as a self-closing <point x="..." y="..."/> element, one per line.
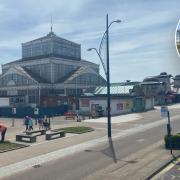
<point x="110" y="151"/>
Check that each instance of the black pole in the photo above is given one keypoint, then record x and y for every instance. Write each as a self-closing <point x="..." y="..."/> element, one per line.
<point x="169" y="125"/>
<point x="108" y="80"/>
<point x="169" y="133"/>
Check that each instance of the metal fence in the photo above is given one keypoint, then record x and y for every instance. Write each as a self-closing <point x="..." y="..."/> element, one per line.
<point x="29" y="111"/>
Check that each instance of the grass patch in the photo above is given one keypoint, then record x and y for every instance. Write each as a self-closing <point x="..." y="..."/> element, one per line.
<point x="77" y="130"/>
<point x="8" y="146"/>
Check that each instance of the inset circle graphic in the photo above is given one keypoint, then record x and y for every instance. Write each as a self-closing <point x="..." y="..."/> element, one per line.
<point x="177" y="38"/>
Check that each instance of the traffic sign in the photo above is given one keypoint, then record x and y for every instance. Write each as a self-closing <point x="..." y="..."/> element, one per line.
<point x="36" y="111"/>
<point x="13" y="110"/>
<point x="164" y="111"/>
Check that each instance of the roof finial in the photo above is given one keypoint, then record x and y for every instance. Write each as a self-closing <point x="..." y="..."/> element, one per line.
<point x="51" y="23"/>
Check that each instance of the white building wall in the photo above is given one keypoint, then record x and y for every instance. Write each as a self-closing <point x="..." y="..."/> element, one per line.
<point x="4" y="102"/>
<point x="118" y="106"/>
<point x="121" y="106"/>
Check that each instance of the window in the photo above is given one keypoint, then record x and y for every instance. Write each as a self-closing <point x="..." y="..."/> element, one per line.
<point x="127" y="106"/>
<point x="84" y="102"/>
<point x="119" y="106"/>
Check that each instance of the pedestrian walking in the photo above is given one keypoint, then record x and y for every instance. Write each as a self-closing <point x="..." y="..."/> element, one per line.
<point x="46" y="124"/>
<point x="40" y="122"/>
<point x="26" y="122"/>
<point x="30" y="124"/>
<point x="3" y="129"/>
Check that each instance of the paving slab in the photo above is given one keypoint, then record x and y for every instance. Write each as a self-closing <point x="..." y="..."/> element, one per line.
<point x="43" y="147"/>
<point x="136" y="166"/>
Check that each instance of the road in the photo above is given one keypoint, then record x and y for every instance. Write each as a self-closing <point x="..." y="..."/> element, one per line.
<point x="82" y="164"/>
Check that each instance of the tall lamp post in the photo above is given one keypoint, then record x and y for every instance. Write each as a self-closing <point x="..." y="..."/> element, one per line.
<point x="106" y="68"/>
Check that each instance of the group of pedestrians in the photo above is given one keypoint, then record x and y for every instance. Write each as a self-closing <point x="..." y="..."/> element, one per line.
<point x="42" y="122"/>
<point x="28" y="123"/>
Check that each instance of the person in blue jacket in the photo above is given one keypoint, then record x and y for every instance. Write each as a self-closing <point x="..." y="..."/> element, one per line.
<point x="30" y="124"/>
<point x="26" y="122"/>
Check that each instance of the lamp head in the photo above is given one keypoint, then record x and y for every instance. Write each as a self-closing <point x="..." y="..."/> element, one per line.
<point x="118" y="21"/>
<point x="90" y="49"/>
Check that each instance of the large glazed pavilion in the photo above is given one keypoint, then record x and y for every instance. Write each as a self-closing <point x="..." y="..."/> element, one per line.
<point x="50" y="66"/>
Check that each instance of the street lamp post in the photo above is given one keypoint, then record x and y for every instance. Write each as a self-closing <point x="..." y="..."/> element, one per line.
<point x="108" y="79"/>
<point x="107" y="71"/>
<point x="90" y="49"/>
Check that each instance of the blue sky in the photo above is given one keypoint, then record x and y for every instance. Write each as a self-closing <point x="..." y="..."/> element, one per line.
<point x="178" y="26"/>
<point x="142" y="45"/>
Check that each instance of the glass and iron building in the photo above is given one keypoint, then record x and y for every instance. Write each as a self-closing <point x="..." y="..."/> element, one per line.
<point x="50" y="66"/>
<point x="51" y="45"/>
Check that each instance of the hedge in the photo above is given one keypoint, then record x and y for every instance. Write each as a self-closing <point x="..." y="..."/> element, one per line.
<point x="172" y="141"/>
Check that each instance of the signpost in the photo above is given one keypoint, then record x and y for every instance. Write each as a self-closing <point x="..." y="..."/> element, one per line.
<point x="164" y="111"/>
<point x="36" y="113"/>
<point x="165" y="114"/>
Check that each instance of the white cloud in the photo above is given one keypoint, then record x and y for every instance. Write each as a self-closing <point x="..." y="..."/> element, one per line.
<point x="145" y="36"/>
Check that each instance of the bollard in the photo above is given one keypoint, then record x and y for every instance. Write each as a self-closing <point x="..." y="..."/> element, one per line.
<point x="35" y="121"/>
<point x="49" y="123"/>
<point x="78" y="119"/>
<point x="13" y="122"/>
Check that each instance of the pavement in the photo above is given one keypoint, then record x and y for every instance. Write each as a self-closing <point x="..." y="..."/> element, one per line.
<point x="44" y="152"/>
<point x="117" y="119"/>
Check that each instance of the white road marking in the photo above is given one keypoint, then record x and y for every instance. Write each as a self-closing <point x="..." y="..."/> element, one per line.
<point x="140" y="140"/>
<point x="163" y="172"/>
<point x="27" y="164"/>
